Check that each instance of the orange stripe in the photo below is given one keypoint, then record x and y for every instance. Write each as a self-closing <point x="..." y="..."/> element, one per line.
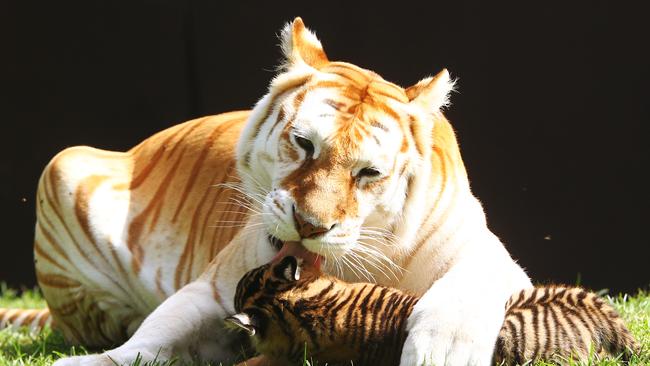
<point x="229" y="215"/>
<point x="45" y="316"/>
<point x="419" y="145"/>
<point x="136" y="226"/>
<point x="56" y="281"/>
<point x="153" y="160"/>
<point x="327" y="84"/>
<point x="388" y="90"/>
<point x="272" y="103"/>
<point x="30" y="317"/>
<point x="198" y="163"/>
<point x="158" y="281"/>
<point x="39" y="252"/>
<point x="386" y="109"/>
<point x="49" y="238"/>
<point x="188" y="251"/>
<point x="281" y="116"/>
<point x="120" y="268"/>
<point x="14" y="315"/>
<point x="440" y="154"/>
<point x="349" y="72"/>
<point x="65" y="227"/>
<point x="176" y="144"/>
<point x="85" y="190"/>
<point x="222" y="237"/>
<point x="51" y="182"/>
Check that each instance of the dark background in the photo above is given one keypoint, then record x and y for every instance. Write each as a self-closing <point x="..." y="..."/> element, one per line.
<point x="552" y="111"/>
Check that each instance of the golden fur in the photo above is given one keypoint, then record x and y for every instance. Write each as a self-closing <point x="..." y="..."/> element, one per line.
<point x="351" y="166"/>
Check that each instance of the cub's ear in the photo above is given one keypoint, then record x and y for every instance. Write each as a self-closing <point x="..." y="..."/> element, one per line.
<point x="288" y="268"/>
<point x="241" y="321"/>
<point x="300" y="46"/>
<point x="432" y="93"/>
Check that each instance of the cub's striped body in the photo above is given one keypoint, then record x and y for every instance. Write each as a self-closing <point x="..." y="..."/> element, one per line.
<point x="288" y="306"/>
<point x="557" y="323"/>
<point x="337" y="322"/>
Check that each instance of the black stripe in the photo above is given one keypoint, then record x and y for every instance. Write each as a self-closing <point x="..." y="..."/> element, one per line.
<point x="349" y="315"/>
<point x="333" y="313"/>
<point x="560" y="329"/>
<point x="376" y="312"/>
<point x="544" y="297"/>
<point x="319" y="296"/>
<point x="515" y="342"/>
<point x="550" y="331"/>
<point x="535" y="315"/>
<point x="363" y="313"/>
<point x="248" y="286"/>
<point x="522" y="322"/>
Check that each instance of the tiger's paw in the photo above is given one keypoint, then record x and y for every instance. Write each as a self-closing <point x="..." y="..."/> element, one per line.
<point x="446" y="335"/>
<point x="91" y="360"/>
<point x="110" y="358"/>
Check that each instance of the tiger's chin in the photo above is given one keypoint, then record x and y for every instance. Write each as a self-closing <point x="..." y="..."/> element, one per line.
<point x="312" y="251"/>
<point x="328" y="249"/>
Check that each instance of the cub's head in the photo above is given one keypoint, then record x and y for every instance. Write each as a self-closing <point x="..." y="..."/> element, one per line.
<point x="265" y="303"/>
<point x="334" y="151"/>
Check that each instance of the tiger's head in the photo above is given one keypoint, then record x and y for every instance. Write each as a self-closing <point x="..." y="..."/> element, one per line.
<point x="334" y="151"/>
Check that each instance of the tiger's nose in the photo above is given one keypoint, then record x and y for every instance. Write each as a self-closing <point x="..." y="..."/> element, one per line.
<point x="306" y="229"/>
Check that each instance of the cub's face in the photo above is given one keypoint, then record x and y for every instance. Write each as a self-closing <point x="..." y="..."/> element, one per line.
<point x="331" y="152"/>
<point x="261" y="299"/>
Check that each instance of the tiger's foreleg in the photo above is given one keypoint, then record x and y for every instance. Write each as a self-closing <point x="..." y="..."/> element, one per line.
<point x="188" y="325"/>
<point x="456" y="322"/>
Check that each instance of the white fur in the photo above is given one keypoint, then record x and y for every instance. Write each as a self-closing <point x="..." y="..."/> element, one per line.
<point x="457" y="320"/>
<point x="292" y="58"/>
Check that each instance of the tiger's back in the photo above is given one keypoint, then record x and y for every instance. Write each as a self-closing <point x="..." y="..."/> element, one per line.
<point x="339" y="322"/>
<point x="118" y="232"/>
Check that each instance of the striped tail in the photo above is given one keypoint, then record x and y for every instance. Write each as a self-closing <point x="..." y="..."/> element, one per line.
<point x="35" y="319"/>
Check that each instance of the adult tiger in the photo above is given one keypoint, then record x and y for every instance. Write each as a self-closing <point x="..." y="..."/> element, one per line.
<point x="357" y="169"/>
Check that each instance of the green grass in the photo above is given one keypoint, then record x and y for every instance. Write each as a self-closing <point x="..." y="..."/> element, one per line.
<point x="23" y="348"/>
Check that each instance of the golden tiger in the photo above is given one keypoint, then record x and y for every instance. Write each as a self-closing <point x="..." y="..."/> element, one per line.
<point x="290" y="308"/>
<point x="148" y="245"/>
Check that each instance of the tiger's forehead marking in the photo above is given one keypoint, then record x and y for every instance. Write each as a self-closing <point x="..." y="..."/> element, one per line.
<point x="360" y="102"/>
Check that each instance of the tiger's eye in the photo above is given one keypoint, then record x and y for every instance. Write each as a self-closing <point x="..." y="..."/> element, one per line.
<point x="368" y="172"/>
<point x="305" y="144"/>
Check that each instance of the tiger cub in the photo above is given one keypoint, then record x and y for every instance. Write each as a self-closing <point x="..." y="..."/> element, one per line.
<point x="288" y="307"/>
<point x="555" y="323"/>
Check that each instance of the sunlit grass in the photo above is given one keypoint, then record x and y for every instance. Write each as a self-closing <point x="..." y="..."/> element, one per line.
<point x="20" y="347"/>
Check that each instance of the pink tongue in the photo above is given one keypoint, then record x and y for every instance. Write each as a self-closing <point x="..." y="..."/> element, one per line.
<point x="296" y="249"/>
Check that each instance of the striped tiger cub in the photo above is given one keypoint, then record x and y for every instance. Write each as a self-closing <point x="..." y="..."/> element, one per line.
<point x="288" y="307"/>
<point x="557" y="322"/>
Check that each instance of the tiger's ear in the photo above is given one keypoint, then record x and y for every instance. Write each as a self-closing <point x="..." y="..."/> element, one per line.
<point x="288" y="268"/>
<point x="432" y="93"/>
<point x="300" y="45"/>
<point x="241" y="321"/>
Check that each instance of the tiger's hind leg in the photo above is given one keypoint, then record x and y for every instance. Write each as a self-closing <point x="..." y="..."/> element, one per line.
<point x="80" y="263"/>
